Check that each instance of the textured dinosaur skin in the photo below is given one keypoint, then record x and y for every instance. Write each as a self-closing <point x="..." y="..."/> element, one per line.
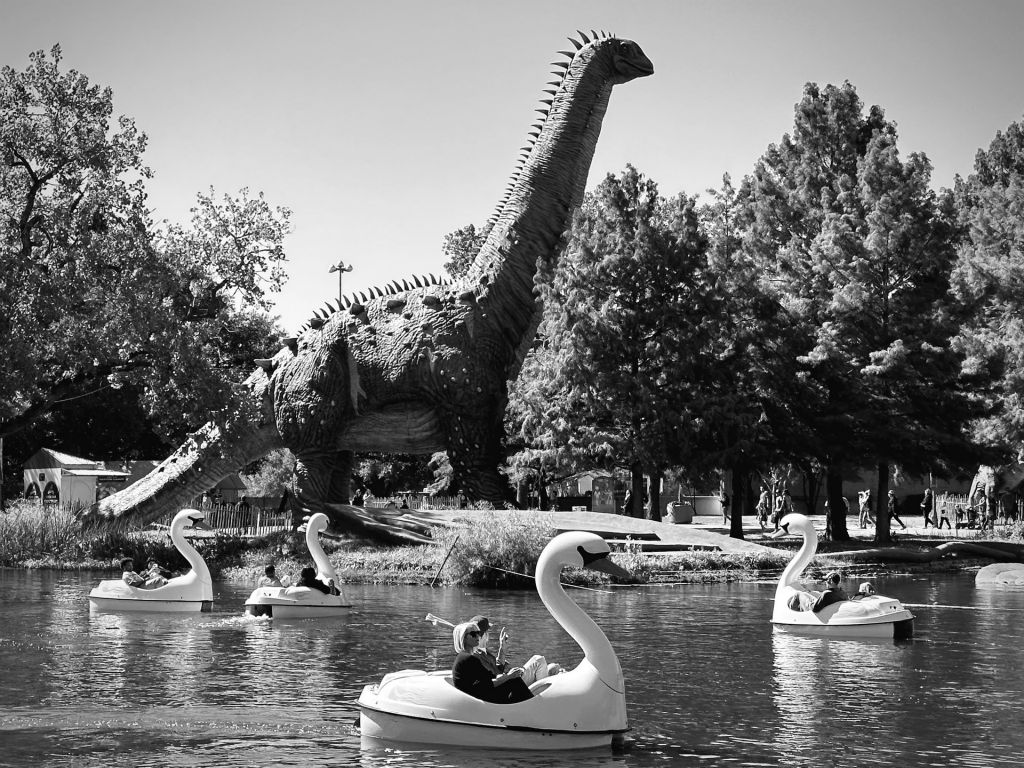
<point x="419" y="368"/>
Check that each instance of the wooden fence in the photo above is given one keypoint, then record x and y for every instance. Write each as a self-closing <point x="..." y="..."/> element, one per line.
<point x="961" y="513"/>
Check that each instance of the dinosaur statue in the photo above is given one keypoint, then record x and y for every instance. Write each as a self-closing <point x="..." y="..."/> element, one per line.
<point x="420" y="368"/>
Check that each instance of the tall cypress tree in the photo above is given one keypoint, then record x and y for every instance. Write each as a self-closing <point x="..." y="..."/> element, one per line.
<point x="858" y="248"/>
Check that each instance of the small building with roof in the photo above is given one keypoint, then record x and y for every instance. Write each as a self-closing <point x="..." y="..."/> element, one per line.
<point x="60" y="478"/>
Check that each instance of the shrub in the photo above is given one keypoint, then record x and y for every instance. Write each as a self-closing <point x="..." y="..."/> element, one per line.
<point x="495" y="550"/>
<point x="29" y="531"/>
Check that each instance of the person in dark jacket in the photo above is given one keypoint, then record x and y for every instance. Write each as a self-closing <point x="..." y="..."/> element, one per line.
<point x="833" y="592"/>
<point x="470" y="675"/>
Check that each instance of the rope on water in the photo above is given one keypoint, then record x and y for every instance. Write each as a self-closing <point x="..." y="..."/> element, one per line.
<point x="528" y="576"/>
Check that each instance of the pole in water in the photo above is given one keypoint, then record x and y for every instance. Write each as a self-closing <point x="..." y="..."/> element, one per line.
<point x="452" y="547"/>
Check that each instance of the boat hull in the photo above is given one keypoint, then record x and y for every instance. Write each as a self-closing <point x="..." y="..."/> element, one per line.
<point x="902" y="629"/>
<point x="570" y="710"/>
<point x="182" y="594"/>
<point x="385" y="726"/>
<point x="294" y="603"/>
<point x="130" y="605"/>
<point x="876" y="616"/>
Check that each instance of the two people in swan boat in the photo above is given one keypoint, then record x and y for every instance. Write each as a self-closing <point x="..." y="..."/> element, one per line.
<point x="831" y="612"/>
<point x="316" y="593"/>
<point x="579" y="708"/>
<point x="192" y="591"/>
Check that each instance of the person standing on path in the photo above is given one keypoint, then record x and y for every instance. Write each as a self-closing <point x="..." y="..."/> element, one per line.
<point x="892" y="510"/>
<point x="927" y="507"/>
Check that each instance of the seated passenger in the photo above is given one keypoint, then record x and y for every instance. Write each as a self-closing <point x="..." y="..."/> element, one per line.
<point x="866" y="589"/>
<point x="533" y="670"/>
<point x="471" y="676"/>
<point x="307" y="578"/>
<point x="130" y="577"/>
<point x="833" y="592"/>
<point x="494" y="662"/>
<point x="269" y="578"/>
<point x="154" y="574"/>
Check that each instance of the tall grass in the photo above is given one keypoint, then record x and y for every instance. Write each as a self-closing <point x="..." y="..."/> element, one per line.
<point x="495" y="550"/>
<point x="28" y="531"/>
<point x="52" y="537"/>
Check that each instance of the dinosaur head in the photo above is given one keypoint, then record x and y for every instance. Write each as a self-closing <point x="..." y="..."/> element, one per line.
<point x="628" y="61"/>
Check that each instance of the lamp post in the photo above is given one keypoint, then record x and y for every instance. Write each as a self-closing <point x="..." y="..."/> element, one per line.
<point x="341" y="267"/>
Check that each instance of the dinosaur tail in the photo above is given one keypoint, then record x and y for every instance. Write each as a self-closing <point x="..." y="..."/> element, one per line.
<point x="208" y="456"/>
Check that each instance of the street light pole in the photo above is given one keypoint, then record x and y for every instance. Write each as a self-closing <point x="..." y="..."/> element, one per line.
<point x="341" y="268"/>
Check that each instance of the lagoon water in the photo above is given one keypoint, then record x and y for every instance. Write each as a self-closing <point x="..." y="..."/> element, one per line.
<point x="709" y="682"/>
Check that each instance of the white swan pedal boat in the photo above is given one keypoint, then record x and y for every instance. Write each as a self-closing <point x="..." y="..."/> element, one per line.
<point x="189" y="592"/>
<point x="873" y="616"/>
<point x="579" y="709"/>
<point x="302" y="602"/>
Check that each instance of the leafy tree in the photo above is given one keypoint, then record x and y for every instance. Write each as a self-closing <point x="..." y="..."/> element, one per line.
<point x="987" y="281"/>
<point x="628" y="357"/>
<point x="753" y="408"/>
<point x="95" y="294"/>
<point x="858" y="249"/>
<point x="271" y="475"/>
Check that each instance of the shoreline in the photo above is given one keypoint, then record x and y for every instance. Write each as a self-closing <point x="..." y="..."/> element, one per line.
<point x="655" y="553"/>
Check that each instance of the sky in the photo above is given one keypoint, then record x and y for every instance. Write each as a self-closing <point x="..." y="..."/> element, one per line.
<point x="385" y="125"/>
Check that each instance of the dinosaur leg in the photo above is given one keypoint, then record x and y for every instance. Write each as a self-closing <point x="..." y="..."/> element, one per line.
<point x="340" y="491"/>
<point x="313" y="473"/>
<point x="474" y="451"/>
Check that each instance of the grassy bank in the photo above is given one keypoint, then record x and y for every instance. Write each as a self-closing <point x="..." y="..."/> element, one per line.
<point x="494" y="549"/>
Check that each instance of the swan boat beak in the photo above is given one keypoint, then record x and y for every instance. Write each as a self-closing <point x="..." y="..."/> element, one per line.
<point x="605" y="565"/>
<point x="783" y="531"/>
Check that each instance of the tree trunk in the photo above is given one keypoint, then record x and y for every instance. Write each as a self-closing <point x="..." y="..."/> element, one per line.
<point x="740" y="500"/>
<point x="637" y="490"/>
<point x="835" y="520"/>
<point x="521" y="494"/>
<point x="654" y="496"/>
<point x="542" y="490"/>
<point x="882" y="521"/>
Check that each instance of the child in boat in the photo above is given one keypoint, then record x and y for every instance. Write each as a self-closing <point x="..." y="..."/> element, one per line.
<point x="269" y="578"/>
<point x="866" y="589"/>
<point x="154" y="575"/>
<point x="129" y="576"/>
<point x="470" y="675"/>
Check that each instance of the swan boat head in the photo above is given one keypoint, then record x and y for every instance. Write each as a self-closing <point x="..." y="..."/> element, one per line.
<point x="190" y="591"/>
<point x="582" y="707"/>
<point x="874" y="616"/>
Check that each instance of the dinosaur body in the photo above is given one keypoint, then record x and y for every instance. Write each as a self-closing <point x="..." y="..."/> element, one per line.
<point x="423" y="368"/>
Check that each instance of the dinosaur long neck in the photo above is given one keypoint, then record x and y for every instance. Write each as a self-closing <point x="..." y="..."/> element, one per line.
<point x="542" y="198"/>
